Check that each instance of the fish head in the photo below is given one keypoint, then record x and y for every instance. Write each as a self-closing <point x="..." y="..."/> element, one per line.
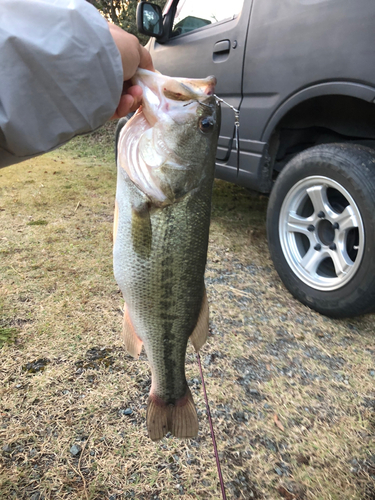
<point x="179" y="122"/>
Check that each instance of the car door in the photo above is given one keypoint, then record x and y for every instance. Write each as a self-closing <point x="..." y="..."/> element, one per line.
<point x="208" y="37"/>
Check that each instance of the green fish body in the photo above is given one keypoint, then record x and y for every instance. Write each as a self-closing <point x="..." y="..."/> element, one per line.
<point x="166" y="162"/>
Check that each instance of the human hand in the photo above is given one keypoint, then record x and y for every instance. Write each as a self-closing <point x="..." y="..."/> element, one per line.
<point x="133" y="56"/>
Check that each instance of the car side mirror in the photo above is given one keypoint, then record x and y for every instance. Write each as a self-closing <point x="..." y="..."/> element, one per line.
<point x="150" y="19"/>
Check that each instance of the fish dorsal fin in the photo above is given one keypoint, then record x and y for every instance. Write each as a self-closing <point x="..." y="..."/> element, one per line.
<point x="200" y="333"/>
<point x="132" y="342"/>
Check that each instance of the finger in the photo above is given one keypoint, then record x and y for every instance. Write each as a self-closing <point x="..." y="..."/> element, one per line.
<point x="126" y="103"/>
<point x="137" y="102"/>
<point x="135" y="91"/>
<point x="146" y="60"/>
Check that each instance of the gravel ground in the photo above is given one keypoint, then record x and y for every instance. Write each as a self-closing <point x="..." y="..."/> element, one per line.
<point x="292" y="393"/>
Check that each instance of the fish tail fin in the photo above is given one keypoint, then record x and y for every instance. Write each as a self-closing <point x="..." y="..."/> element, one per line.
<point x="132" y="342"/>
<point x="200" y="333"/>
<point x="157" y="418"/>
<point x="180" y="419"/>
<point x="183" y="419"/>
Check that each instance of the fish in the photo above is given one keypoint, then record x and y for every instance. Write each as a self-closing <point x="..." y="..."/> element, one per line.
<point x="165" y="172"/>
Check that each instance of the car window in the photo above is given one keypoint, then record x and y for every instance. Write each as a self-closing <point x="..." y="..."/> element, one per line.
<point x="194" y="14"/>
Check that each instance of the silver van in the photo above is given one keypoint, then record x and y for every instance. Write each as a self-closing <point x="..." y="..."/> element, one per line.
<point x="302" y="73"/>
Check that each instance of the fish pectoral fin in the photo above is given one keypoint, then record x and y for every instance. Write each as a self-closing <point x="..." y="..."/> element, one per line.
<point x="200" y="333"/>
<point x="141" y="231"/>
<point x="180" y="419"/>
<point x="132" y="342"/>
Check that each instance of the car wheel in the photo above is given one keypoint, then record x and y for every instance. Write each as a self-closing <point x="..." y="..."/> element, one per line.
<point x="321" y="228"/>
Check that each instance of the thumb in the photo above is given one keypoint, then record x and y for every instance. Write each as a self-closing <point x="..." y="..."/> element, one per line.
<point x="145" y="59"/>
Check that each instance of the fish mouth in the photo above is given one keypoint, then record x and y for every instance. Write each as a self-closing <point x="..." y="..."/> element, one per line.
<point x="164" y="98"/>
<point x="154" y="143"/>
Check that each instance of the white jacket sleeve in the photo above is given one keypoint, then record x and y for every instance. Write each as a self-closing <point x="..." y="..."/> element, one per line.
<point x="60" y="75"/>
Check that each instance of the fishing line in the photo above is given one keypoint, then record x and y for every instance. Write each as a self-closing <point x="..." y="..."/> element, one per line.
<point x="236" y="132"/>
<point x="212" y="430"/>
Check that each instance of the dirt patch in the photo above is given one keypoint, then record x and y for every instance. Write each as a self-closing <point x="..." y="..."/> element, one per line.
<point x="291" y="392"/>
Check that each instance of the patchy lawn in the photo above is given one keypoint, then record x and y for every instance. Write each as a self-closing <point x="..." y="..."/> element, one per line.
<point x="292" y="393"/>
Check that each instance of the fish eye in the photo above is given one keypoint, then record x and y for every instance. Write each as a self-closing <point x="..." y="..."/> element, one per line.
<point x="206" y="124"/>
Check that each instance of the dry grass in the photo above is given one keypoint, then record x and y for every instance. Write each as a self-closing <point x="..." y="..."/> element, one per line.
<point x="268" y="355"/>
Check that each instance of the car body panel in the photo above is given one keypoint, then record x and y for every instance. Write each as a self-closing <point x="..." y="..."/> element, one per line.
<point x="275" y="54"/>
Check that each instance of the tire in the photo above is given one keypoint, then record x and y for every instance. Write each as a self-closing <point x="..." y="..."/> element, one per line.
<point x="321" y="228"/>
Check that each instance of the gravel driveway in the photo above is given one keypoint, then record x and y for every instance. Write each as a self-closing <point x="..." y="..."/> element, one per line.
<point x="292" y="393"/>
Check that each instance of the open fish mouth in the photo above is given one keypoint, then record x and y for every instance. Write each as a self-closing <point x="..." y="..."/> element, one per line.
<point x="158" y="152"/>
<point x="168" y="98"/>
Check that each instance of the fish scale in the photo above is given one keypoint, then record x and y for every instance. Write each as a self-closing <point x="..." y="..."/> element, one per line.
<point x="174" y="313"/>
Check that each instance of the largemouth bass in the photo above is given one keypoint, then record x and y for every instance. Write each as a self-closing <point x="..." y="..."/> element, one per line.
<point x="166" y="162"/>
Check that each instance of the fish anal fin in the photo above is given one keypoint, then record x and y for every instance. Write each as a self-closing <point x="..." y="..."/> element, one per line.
<point x="132" y="342"/>
<point x="183" y="419"/>
<point x="200" y="333"/>
<point x="141" y="231"/>
<point x="180" y="419"/>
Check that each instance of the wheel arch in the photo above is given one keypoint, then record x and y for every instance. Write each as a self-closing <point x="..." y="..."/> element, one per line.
<point x="323" y="113"/>
<point x="349" y="89"/>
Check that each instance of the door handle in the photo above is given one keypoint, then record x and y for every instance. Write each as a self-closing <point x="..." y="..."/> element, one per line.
<point x="223" y="46"/>
<point x="221" y="51"/>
